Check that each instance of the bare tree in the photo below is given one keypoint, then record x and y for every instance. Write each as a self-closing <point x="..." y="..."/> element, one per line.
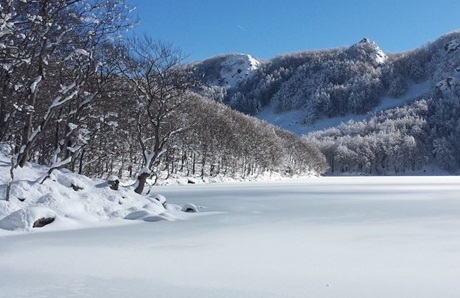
<point x="160" y="84"/>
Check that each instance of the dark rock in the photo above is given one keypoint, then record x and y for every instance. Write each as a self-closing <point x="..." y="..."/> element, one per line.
<point x="114" y="184"/>
<point x="41" y="222"/>
<point x="76" y="187"/>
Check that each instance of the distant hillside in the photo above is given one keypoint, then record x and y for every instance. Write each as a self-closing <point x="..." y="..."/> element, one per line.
<point x="353" y="83"/>
<point x="325" y="83"/>
<point x="420" y="137"/>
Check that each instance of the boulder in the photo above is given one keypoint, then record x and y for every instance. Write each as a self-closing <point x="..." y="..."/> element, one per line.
<point x="113" y="182"/>
<point x="28" y="218"/>
<point x="41" y="222"/>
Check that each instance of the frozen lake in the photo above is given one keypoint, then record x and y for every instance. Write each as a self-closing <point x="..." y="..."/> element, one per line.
<point x="318" y="237"/>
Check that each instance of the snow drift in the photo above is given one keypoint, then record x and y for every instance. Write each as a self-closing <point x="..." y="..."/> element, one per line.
<point x="69" y="200"/>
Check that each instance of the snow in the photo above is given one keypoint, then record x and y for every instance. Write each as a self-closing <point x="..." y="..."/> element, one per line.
<point x="236" y="68"/>
<point x="379" y="56"/>
<point x="25" y="218"/>
<point x="290" y="120"/>
<point x="74" y="201"/>
<point x="319" y="237"/>
<point x="33" y="86"/>
<point x="82" y="52"/>
<point x="72" y="126"/>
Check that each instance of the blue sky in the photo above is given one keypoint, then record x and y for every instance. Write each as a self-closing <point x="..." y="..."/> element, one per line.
<point x="267" y="28"/>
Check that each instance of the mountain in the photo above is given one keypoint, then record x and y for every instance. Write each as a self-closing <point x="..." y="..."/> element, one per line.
<point x="328" y="83"/>
<point x="311" y="90"/>
<point x="227" y="71"/>
<point x="304" y="80"/>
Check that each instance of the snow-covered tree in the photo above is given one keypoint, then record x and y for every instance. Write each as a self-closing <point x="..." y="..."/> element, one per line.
<point x="54" y="69"/>
<point x="160" y="84"/>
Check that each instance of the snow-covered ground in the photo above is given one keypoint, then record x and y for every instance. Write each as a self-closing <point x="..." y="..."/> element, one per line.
<point x="290" y="120"/>
<point x="318" y="237"/>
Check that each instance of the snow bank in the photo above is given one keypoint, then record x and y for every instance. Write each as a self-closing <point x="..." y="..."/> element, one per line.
<point x="26" y="219"/>
<point x="70" y="200"/>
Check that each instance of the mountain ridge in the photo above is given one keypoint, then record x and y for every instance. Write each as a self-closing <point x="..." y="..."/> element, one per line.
<point x="250" y="95"/>
<point x="356" y="83"/>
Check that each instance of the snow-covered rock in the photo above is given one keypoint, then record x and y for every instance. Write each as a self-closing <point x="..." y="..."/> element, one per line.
<point x="189" y="208"/>
<point x="27" y="218"/>
<point x="157" y="198"/>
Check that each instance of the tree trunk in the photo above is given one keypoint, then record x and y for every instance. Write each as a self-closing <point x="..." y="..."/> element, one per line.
<point x="184" y="157"/>
<point x="80" y="167"/>
<point x="203" y="164"/>
<point x="194" y="165"/>
<point x="141" y="180"/>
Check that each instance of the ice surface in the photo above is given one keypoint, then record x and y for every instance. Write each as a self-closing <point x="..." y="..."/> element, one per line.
<point x="374" y="237"/>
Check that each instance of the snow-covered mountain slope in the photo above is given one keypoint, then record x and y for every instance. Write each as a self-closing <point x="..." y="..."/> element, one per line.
<point x="344" y="83"/>
<point x="235" y="69"/>
<point x="451" y="74"/>
<point x="227" y="71"/>
<point x="295" y="81"/>
<point x="312" y="91"/>
<point x="290" y="120"/>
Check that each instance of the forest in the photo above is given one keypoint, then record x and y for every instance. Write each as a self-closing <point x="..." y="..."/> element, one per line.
<point x="413" y="137"/>
<point x="80" y="90"/>
<point x="422" y="132"/>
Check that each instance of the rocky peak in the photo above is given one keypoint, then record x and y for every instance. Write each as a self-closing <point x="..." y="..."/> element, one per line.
<point x="227" y="71"/>
<point x="368" y="49"/>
